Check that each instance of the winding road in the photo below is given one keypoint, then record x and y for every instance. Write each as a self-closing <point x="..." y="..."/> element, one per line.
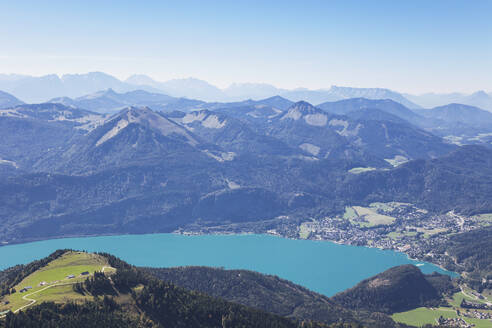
<point x="475" y="297"/>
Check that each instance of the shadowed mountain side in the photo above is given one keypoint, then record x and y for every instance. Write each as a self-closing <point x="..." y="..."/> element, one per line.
<point x="133" y="136"/>
<point x="375" y="142"/>
<point x="471" y="252"/>
<point x="460" y="181"/>
<point x="268" y="293"/>
<point x="159" y="198"/>
<point x="231" y="134"/>
<point x="176" y="192"/>
<point x="31" y="132"/>
<point x="397" y="289"/>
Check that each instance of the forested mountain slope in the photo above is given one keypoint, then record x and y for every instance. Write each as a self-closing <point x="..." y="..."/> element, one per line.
<point x="126" y="296"/>
<point x="268" y="293"/>
<point x="396" y="290"/>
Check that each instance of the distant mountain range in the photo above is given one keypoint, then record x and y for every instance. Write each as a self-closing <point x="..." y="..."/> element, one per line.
<point x="461" y="124"/>
<point x="187" y="88"/>
<point x="193" y="88"/>
<point x="108" y="101"/>
<point x="479" y="99"/>
<point x="459" y="114"/>
<point x="7" y="100"/>
<point x="40" y="89"/>
<point x="70" y="171"/>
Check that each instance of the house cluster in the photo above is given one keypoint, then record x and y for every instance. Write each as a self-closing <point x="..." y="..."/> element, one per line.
<point x="478" y="314"/>
<point x="72" y="276"/>
<point x="44" y="283"/>
<point x="473" y="305"/>
<point x="453" y="322"/>
<point x="25" y="289"/>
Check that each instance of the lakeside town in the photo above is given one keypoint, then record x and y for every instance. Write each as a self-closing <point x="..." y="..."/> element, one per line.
<point x="401" y="227"/>
<point x="397" y="226"/>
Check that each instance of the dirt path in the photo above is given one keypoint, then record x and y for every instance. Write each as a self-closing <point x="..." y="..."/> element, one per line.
<point x="31" y="300"/>
<point x="469" y="295"/>
<point x="26" y="297"/>
<point x="485" y="300"/>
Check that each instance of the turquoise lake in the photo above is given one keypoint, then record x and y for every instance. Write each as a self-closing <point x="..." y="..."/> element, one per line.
<point x="321" y="266"/>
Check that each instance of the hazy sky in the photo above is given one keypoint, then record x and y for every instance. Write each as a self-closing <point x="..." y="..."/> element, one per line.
<point x="409" y="46"/>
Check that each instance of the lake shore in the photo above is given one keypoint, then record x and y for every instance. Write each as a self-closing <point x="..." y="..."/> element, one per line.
<point x="324" y="267"/>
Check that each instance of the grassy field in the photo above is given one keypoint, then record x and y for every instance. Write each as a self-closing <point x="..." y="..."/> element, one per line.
<point x="55" y="273"/>
<point x="488" y="294"/>
<point x="349" y="213"/>
<point x="422" y="316"/>
<point x="304" y="231"/>
<point x="371" y="217"/>
<point x="63" y="293"/>
<point x="397" y="160"/>
<point x="485" y="219"/>
<point x="457" y="298"/>
<point x="367" y="216"/>
<point x="389" y="206"/>
<point x="430" y="232"/>
<point x="479" y="323"/>
<point x="383" y="206"/>
<point x="358" y="170"/>
<point x="398" y="235"/>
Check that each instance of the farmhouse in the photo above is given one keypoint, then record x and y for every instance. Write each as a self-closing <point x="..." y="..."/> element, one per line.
<point x="25" y="289"/>
<point x="85" y="273"/>
<point x="71" y="276"/>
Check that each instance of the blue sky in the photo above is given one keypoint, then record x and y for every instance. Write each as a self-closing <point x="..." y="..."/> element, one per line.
<point x="409" y="46"/>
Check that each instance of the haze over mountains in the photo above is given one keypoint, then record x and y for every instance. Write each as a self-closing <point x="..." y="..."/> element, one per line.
<point x="479" y="99"/>
<point x="41" y="89"/>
